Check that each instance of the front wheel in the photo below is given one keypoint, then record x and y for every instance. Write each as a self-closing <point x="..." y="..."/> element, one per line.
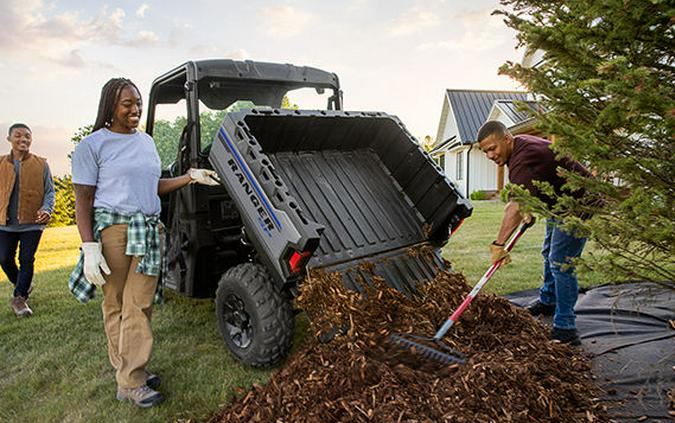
<point x="255" y="319"/>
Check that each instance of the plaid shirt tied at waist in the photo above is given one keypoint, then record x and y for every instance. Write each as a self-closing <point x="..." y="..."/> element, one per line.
<point x="143" y="239"/>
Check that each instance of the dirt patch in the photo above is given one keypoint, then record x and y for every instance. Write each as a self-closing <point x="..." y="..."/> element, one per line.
<point x="513" y="374"/>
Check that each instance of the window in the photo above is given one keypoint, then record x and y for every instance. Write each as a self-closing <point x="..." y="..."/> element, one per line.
<point x="460" y="166"/>
<point x="441" y="161"/>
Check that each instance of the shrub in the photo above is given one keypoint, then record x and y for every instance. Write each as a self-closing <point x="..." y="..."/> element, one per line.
<point x="478" y="195"/>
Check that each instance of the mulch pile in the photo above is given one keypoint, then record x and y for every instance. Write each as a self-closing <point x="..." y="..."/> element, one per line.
<point x="513" y="374"/>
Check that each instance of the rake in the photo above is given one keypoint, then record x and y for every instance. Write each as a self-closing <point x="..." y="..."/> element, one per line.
<point x="434" y="348"/>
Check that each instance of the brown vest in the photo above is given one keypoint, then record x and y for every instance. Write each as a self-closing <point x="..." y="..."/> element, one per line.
<point x="31" y="187"/>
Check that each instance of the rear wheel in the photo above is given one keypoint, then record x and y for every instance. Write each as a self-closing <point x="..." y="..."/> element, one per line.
<point x="255" y="318"/>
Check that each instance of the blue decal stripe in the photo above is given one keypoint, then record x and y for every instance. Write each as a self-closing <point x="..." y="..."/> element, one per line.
<point x="252" y="181"/>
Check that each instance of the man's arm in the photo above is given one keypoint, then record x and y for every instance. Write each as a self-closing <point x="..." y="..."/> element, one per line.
<point x="45" y="212"/>
<point x="84" y="207"/>
<point x="510" y="222"/>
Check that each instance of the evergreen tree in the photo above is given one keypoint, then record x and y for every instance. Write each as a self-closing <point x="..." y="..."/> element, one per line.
<point x="607" y="83"/>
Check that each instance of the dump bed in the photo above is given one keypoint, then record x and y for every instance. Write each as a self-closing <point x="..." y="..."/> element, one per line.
<point x="347" y="191"/>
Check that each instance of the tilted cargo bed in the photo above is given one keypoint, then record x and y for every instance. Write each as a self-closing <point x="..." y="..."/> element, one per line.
<point x="346" y="187"/>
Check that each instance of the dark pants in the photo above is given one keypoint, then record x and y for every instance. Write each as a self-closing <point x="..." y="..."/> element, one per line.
<point x="21" y="277"/>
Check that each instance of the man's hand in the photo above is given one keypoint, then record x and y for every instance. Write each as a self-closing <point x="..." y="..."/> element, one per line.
<point x="497" y="253"/>
<point x="94" y="262"/>
<point x="203" y="177"/>
<point x="42" y="217"/>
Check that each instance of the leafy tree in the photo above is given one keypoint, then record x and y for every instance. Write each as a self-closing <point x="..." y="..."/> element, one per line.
<point x="80" y="133"/>
<point x="286" y="104"/>
<point x="607" y="81"/>
<point x="428" y="143"/>
<point x="64" y="202"/>
<point x="64" y="196"/>
<point x="166" y="135"/>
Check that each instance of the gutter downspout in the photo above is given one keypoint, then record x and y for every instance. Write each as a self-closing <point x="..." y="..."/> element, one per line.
<point x="468" y="161"/>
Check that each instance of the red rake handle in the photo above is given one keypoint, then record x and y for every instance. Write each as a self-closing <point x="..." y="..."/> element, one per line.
<point x="476" y="289"/>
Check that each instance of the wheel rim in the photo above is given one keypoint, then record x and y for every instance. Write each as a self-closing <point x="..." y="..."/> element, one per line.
<point x="237" y="321"/>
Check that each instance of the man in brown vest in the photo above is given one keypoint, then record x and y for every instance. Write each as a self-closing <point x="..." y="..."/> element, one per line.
<point x="26" y="204"/>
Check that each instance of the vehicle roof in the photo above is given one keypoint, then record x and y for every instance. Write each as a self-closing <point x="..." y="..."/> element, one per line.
<point x="238" y="76"/>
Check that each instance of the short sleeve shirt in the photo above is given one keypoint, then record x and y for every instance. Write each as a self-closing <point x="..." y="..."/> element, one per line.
<point x="533" y="160"/>
<point x="124" y="168"/>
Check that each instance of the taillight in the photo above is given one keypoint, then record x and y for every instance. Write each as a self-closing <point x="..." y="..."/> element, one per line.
<point x="457" y="227"/>
<point x="298" y="260"/>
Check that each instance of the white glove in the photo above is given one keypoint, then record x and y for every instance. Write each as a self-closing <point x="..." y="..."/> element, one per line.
<point x="204" y="177"/>
<point x="94" y="262"/>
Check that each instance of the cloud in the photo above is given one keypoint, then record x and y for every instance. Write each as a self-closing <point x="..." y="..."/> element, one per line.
<point x="177" y="33"/>
<point x="27" y="30"/>
<point x="60" y="40"/>
<point x="73" y="59"/>
<point x="203" y="51"/>
<point x="412" y="21"/>
<point x="239" y="54"/>
<point x="480" y="17"/>
<point x="140" y="12"/>
<point x="469" y="41"/>
<point x="146" y="37"/>
<point x="70" y="60"/>
<point x="285" y="20"/>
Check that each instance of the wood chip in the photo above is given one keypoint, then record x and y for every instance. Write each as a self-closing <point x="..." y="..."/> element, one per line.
<point x="514" y="372"/>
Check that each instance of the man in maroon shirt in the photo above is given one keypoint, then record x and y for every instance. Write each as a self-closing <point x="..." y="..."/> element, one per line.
<point x="529" y="159"/>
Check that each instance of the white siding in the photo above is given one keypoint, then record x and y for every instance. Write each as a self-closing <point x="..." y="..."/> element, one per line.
<point x="482" y="172"/>
<point x="450" y="124"/>
<point x="497" y="114"/>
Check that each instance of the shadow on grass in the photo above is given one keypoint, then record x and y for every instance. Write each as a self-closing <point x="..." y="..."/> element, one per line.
<point x="54" y="365"/>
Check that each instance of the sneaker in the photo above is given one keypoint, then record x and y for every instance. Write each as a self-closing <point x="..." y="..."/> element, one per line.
<point x="566" y="336"/>
<point x="538" y="308"/>
<point x="143" y="396"/>
<point x="152" y="380"/>
<point x="20" y="307"/>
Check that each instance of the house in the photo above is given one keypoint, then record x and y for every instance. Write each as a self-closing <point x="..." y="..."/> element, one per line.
<point x="463" y="113"/>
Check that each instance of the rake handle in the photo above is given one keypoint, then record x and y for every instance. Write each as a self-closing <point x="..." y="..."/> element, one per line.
<point x="476" y="289"/>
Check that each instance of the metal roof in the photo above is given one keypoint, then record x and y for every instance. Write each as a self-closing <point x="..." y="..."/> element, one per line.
<point x="472" y="107"/>
<point x="517" y="114"/>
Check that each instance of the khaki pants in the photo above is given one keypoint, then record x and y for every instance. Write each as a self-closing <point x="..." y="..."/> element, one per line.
<point x="127" y="308"/>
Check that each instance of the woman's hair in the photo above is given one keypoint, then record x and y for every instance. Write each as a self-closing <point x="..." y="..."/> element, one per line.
<point x="110" y="94"/>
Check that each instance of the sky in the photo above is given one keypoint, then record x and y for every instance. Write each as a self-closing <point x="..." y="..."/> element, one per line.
<point x="394" y="56"/>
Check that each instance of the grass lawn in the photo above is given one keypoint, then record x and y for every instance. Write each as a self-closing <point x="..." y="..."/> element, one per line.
<point x="54" y="366"/>
<point x="468" y="251"/>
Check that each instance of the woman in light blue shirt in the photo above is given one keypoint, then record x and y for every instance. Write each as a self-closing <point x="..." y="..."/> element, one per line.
<point x="116" y="177"/>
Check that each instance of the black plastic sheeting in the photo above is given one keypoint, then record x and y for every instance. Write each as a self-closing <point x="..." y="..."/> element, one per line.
<point x="629" y="330"/>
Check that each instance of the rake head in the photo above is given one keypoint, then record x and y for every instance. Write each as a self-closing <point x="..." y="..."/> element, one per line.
<point x="428" y="348"/>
